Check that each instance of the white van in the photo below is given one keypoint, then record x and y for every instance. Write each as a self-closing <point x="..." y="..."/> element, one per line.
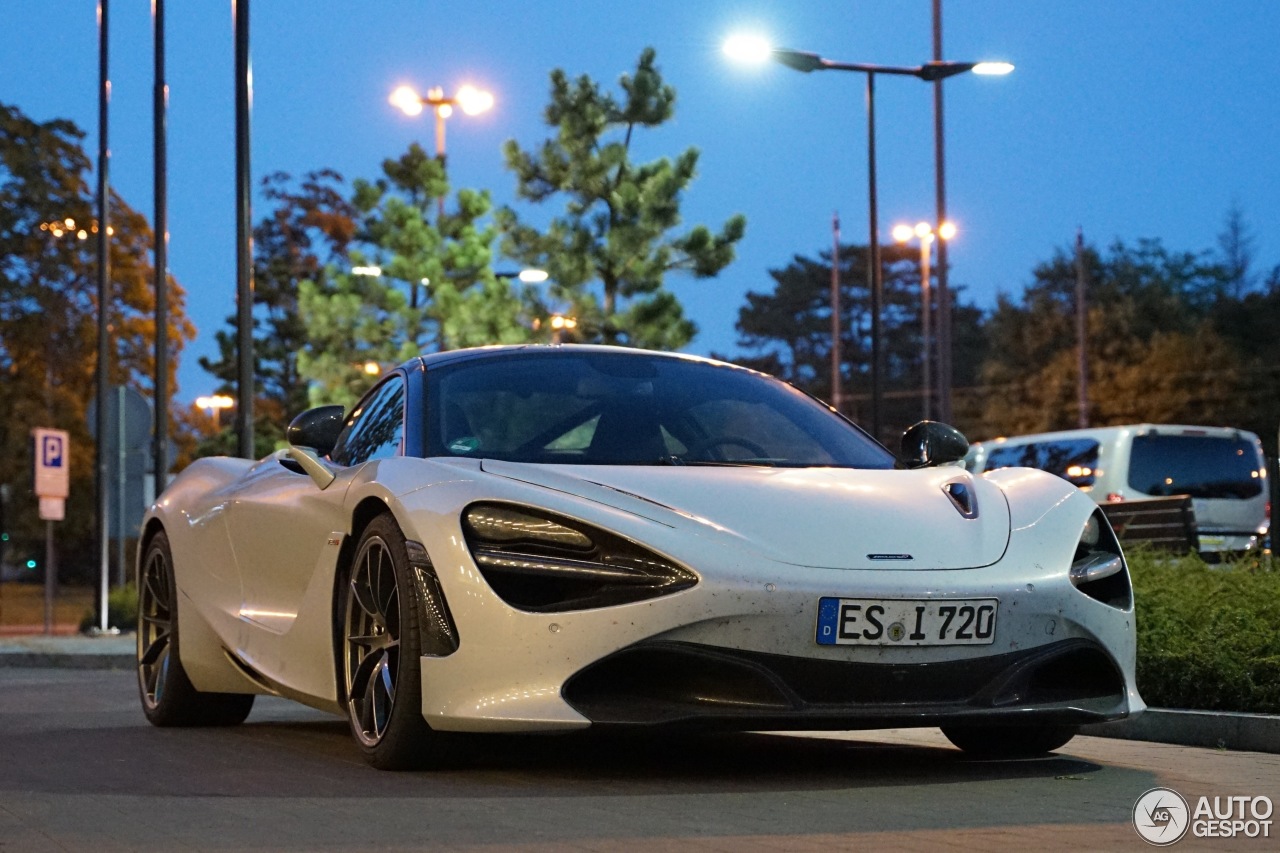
<point x="1222" y="469"/>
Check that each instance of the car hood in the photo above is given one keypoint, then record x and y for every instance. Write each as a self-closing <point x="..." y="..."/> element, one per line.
<point x="835" y="518"/>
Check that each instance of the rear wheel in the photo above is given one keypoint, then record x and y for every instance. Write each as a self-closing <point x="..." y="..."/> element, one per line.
<point x="1009" y="741"/>
<point x="381" y="649"/>
<point x="168" y="697"/>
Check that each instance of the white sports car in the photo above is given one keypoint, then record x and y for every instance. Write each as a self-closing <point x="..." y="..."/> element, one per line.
<point x="546" y="538"/>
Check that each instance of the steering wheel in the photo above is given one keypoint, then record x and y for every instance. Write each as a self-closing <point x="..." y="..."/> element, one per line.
<point x="699" y="450"/>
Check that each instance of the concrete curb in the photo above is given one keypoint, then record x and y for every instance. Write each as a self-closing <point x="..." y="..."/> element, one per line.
<point x="72" y="652"/>
<point x="1213" y="729"/>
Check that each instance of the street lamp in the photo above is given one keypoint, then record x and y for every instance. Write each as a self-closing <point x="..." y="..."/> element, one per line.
<point x="756" y="49"/>
<point x="214" y="404"/>
<point x="924" y="232"/>
<point x="469" y="99"/>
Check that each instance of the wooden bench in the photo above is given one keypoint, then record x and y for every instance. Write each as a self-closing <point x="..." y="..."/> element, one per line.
<point x="1168" y="524"/>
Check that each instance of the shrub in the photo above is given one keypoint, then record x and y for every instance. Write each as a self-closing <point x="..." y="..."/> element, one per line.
<point x="122" y="610"/>
<point x="1208" y="637"/>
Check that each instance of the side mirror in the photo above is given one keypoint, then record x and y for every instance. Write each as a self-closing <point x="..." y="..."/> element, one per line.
<point x="316" y="428"/>
<point x="930" y="443"/>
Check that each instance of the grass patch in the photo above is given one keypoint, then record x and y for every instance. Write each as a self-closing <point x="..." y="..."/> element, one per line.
<point x="1208" y="636"/>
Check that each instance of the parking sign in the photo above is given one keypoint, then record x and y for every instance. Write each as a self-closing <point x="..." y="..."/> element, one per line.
<point x="52" y="463"/>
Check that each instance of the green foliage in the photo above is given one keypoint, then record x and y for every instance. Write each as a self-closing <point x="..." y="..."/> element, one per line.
<point x="616" y="229"/>
<point x="122" y="610"/>
<point x="788" y="331"/>
<point x="437" y="289"/>
<point x="352" y="320"/>
<point x="1207" y="635"/>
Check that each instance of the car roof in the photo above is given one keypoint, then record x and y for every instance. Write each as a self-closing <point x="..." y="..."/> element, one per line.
<point x="1106" y="433"/>
<point x="508" y="350"/>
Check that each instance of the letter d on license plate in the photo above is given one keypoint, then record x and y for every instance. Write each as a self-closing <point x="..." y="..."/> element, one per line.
<point x="906" y="622"/>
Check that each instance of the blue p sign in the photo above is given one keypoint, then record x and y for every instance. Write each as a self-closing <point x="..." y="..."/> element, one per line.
<point x="51" y="451"/>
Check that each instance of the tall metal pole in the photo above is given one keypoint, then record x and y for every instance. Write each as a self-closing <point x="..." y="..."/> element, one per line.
<point x="940" y="180"/>
<point x="50" y="577"/>
<point x="1082" y="319"/>
<point x="440" y="153"/>
<point x="926" y="306"/>
<point x="837" y="394"/>
<point x="160" y="103"/>
<point x="104" y="306"/>
<point x="244" y="238"/>
<point x="874" y="274"/>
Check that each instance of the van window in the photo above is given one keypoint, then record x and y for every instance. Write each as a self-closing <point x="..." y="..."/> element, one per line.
<point x="1073" y="459"/>
<point x="1199" y="466"/>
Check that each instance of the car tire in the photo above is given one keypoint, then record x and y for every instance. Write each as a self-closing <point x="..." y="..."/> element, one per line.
<point x="168" y="697"/>
<point x="1009" y="741"/>
<point x="380" y="649"/>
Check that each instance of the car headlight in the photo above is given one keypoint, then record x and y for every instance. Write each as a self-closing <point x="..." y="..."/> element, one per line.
<point x="1098" y="569"/>
<point x="540" y="562"/>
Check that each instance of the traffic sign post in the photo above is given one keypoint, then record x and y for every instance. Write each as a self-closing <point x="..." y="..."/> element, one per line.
<point x="52" y="480"/>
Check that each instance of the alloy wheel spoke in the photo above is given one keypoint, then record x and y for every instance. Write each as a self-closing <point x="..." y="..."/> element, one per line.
<point x="363" y="672"/>
<point x="373" y="642"/>
<point x="158" y="582"/>
<point x="363" y="596"/>
<point x="157" y="647"/>
<point x="383" y="694"/>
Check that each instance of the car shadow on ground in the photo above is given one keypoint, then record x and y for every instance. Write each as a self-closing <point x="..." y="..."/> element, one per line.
<point x="316" y="757"/>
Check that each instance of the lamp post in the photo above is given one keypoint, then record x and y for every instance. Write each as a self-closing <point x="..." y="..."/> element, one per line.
<point x="755" y="49"/>
<point x="469" y="99"/>
<point x="924" y="232"/>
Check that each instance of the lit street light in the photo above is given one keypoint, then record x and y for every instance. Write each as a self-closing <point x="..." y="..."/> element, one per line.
<point x="756" y="49"/>
<point x="469" y="99"/>
<point x="926" y="235"/>
<point x="214" y="405"/>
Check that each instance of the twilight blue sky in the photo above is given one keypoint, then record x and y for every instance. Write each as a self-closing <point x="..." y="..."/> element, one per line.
<point x="1129" y="118"/>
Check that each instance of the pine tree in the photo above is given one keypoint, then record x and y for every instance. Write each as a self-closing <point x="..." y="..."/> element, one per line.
<point x="616" y="231"/>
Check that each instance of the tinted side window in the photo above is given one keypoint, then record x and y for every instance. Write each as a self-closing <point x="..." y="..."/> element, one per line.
<point x="1073" y="459"/>
<point x="375" y="428"/>
<point x="1199" y="466"/>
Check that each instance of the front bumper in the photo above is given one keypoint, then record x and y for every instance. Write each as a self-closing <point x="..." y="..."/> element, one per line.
<point x="688" y="685"/>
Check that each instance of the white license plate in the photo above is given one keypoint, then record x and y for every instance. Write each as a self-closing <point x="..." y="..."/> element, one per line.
<point x="906" y="622"/>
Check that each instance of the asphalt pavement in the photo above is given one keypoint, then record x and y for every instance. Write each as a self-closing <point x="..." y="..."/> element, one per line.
<point x="80" y="769"/>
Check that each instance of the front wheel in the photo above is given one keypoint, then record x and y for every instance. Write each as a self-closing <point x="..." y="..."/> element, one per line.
<point x="1009" y="741"/>
<point x="168" y="697"/>
<point x="381" y="648"/>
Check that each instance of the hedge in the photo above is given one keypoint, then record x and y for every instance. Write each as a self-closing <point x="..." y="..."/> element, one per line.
<point x="1208" y="636"/>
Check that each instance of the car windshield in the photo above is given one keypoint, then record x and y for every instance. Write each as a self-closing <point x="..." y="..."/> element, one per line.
<point x="599" y="408"/>
<point x="1199" y="466"/>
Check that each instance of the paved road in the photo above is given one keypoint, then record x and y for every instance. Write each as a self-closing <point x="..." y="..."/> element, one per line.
<point x="81" y="770"/>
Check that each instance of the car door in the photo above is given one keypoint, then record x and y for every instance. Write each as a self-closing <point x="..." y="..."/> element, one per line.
<point x="286" y="530"/>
